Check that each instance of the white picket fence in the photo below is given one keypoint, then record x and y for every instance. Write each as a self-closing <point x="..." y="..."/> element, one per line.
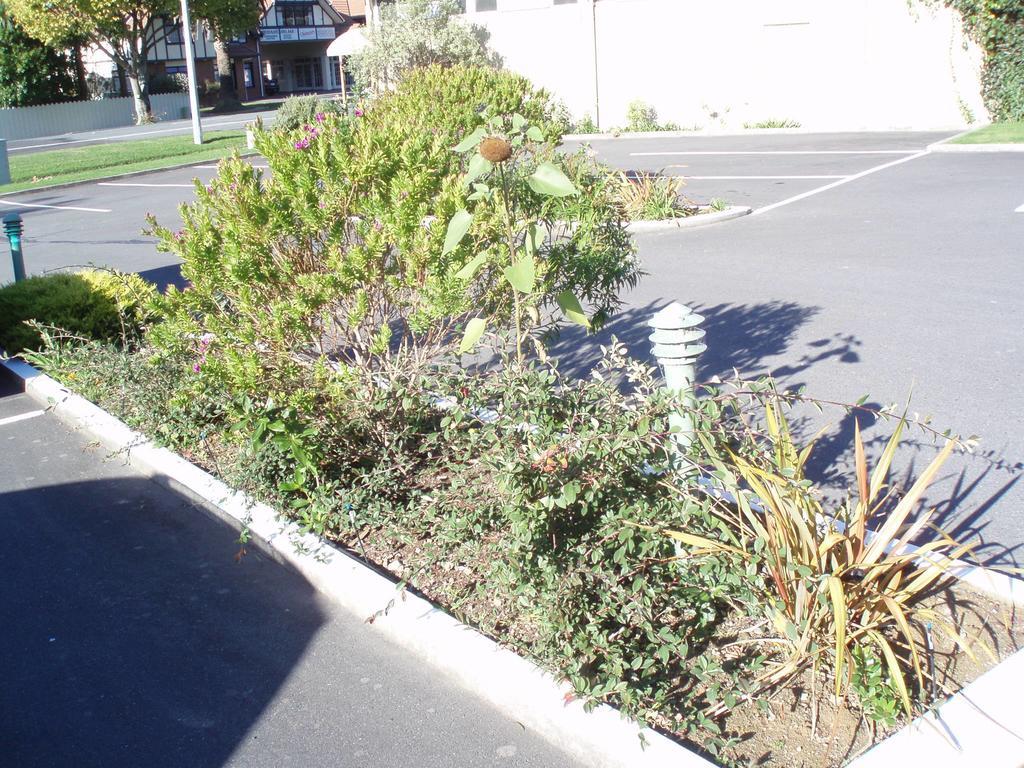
<point x="77" y="116"/>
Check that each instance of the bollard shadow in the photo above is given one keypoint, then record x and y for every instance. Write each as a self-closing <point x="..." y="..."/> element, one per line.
<point x="131" y="636"/>
<point x="744" y="337"/>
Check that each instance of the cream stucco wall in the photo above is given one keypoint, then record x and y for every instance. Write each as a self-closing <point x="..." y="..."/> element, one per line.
<point x="824" y="63"/>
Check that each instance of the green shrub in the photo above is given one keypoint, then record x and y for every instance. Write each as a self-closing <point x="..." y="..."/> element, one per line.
<point x="341" y="252"/>
<point x="415" y="34"/>
<point x="586" y="124"/>
<point x="297" y="111"/>
<point x="93" y="304"/>
<point x="643" y="118"/>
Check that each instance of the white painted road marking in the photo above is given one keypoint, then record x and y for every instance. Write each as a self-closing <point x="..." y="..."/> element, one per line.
<point x="12" y="204"/>
<point x="20" y="417"/>
<point x="1019" y="209"/>
<point x="839" y="183"/>
<point x="785" y="152"/>
<point x="760" y="178"/>
<point x="134" y="184"/>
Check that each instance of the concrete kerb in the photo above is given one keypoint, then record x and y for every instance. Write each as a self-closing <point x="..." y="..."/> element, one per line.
<point x="601" y="738"/>
<point x="705" y="133"/>
<point x="981" y="725"/>
<point x="689" y="222"/>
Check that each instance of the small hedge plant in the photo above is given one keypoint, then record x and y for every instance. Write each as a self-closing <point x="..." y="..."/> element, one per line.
<point x="297" y="111"/>
<point x="99" y="305"/>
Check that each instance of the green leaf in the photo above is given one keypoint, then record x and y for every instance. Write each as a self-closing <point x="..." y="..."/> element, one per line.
<point x="478" y="166"/>
<point x="474" y="330"/>
<point x="471" y="140"/>
<point x="518" y="121"/>
<point x="534" y="239"/>
<point x="549" y="180"/>
<point x="520" y="274"/>
<point x="571" y="308"/>
<point x="457" y="229"/>
<point x="533" y="133"/>
<point x="471" y="267"/>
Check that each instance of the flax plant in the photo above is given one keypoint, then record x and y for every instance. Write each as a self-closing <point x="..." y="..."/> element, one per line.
<point x="835" y="582"/>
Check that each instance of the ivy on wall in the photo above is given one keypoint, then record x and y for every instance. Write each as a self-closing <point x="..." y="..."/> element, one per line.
<point x="998" y="27"/>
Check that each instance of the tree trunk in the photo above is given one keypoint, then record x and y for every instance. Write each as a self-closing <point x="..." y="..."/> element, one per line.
<point x="140" y="93"/>
<point x="81" y="82"/>
<point x="227" y="99"/>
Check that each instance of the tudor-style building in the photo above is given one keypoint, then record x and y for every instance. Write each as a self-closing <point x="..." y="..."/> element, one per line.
<point x="290" y="48"/>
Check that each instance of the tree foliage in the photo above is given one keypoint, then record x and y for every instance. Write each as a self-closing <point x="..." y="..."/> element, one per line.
<point x="127" y="30"/>
<point x="31" y="72"/>
<point x="418" y="33"/>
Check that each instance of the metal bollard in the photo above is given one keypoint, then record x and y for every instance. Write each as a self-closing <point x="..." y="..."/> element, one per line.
<point x="677" y="343"/>
<point x="5" y="168"/>
<point x="13" y="228"/>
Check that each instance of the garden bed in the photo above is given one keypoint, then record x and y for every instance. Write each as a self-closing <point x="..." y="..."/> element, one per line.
<point x="799" y="725"/>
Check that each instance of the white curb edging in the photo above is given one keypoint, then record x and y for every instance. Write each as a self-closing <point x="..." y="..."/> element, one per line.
<point x="601" y="738"/>
<point x="981" y="725"/>
<point x="689" y="222"/>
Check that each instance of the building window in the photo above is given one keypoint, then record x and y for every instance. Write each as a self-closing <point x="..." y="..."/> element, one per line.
<point x="247" y="73"/>
<point x="486" y="5"/>
<point x="335" y="62"/>
<point x="176" y="70"/>
<point x="308" y="73"/>
<point x="172" y="31"/>
<point x="296" y="14"/>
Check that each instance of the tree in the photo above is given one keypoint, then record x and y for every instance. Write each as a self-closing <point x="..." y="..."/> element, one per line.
<point x="31" y="72"/>
<point x="417" y="33"/>
<point x="226" y="19"/>
<point x="126" y="30"/>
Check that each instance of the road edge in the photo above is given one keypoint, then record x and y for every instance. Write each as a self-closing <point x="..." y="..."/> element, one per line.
<point x="689" y="222"/>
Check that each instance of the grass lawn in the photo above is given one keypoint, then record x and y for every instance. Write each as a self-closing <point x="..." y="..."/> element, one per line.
<point x="102" y="160"/>
<point x="997" y="133"/>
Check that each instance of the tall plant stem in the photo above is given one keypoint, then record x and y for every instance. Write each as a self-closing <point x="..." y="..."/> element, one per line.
<point x="510" y="234"/>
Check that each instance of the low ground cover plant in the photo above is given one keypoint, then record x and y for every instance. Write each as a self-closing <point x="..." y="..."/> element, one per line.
<point x="643" y="118"/>
<point x="363" y="345"/>
<point x="652" y="196"/>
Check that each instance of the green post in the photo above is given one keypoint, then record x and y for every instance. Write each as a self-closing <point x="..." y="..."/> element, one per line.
<point x="13" y="229"/>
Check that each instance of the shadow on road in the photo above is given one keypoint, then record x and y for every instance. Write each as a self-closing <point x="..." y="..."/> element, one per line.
<point x="131" y="636"/>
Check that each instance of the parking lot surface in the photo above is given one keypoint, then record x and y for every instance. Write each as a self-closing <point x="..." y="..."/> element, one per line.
<point x="869" y="266"/>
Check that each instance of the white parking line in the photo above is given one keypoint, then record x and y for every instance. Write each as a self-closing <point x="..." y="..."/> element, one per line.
<point x="1019" y="209"/>
<point x="784" y="152"/>
<point x="14" y="204"/>
<point x="838" y="183"/>
<point x="136" y="184"/>
<point x="20" y="417"/>
<point x="760" y="178"/>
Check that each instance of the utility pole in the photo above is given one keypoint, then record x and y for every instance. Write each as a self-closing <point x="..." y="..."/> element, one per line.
<point x="190" y="65"/>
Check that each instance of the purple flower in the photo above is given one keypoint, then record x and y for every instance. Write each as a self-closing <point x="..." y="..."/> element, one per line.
<point x="196" y="367"/>
<point x="359" y="112"/>
<point x="320" y="117"/>
<point x="302" y="144"/>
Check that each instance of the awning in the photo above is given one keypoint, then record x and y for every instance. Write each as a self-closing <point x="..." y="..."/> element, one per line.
<point x="347" y="43"/>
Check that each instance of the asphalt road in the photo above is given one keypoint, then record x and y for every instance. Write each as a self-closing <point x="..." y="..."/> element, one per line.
<point x="869" y="267"/>
<point x="132" y="637"/>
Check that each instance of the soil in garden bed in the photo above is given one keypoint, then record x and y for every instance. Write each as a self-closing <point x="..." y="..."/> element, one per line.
<point x="806" y="728"/>
<point x="800" y="726"/>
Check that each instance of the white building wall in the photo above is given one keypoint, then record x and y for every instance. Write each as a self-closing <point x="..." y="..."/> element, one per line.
<point x="824" y="63"/>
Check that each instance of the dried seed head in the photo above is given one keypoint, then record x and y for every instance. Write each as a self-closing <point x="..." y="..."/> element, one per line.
<point x="496" y="150"/>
